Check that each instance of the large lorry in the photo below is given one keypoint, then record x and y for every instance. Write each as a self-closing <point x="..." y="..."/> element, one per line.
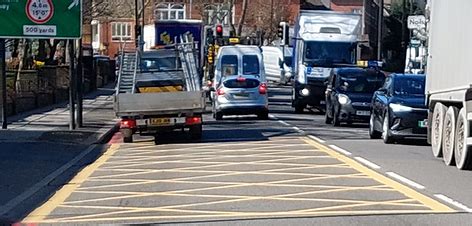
<point x="160" y="91"/>
<point x="449" y="81"/>
<point x="323" y="39"/>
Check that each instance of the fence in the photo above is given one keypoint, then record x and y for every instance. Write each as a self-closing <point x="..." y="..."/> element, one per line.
<point x="50" y="85"/>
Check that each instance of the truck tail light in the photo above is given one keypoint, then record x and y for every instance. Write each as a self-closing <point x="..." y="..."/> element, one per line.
<point x="128" y="124"/>
<point x="263" y="88"/>
<point x="193" y="120"/>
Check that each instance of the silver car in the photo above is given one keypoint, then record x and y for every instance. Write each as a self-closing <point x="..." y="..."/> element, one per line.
<point x="240" y="87"/>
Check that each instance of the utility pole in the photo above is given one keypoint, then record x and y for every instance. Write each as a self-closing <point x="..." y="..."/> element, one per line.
<point x="72" y="85"/>
<point x="3" y="82"/>
<point x="80" y="80"/>
<point x="380" y="30"/>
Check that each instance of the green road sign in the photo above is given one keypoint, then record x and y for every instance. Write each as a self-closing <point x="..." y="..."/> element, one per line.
<point x="41" y="19"/>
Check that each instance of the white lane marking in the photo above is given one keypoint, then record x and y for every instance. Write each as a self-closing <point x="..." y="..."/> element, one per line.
<point x="453" y="202"/>
<point x="298" y="129"/>
<point x="405" y="180"/>
<point x="272" y="117"/>
<point x="338" y="149"/>
<point x="316" y="139"/>
<point x="44" y="182"/>
<point x="367" y="163"/>
<point x="284" y="123"/>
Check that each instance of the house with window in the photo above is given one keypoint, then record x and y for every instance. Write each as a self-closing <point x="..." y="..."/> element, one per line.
<point x="108" y="34"/>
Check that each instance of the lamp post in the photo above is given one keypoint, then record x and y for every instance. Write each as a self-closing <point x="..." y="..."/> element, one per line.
<point x="379" y="30"/>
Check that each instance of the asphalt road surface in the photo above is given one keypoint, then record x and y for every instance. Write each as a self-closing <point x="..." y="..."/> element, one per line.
<point x="289" y="170"/>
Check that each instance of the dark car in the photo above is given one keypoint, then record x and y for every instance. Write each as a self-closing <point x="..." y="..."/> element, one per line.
<point x="349" y="93"/>
<point x="399" y="109"/>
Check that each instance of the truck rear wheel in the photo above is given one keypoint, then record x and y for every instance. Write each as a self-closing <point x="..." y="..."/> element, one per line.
<point x="437" y="128"/>
<point x="196" y="132"/>
<point x="127" y="135"/>
<point x="449" y="133"/>
<point x="462" y="153"/>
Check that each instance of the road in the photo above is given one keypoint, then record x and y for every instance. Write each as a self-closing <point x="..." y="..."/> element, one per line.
<point x="291" y="169"/>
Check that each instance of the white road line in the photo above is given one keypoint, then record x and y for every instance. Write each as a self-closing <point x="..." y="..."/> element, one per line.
<point x="298" y="129"/>
<point x="272" y="117"/>
<point x="405" y="180"/>
<point x="316" y="139"/>
<point x="284" y="123"/>
<point x="338" y="149"/>
<point x="453" y="202"/>
<point x="367" y="163"/>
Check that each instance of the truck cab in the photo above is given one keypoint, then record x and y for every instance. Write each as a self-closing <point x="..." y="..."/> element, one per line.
<point x="324" y="40"/>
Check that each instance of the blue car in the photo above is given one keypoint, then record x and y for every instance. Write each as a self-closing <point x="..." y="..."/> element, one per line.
<point x="399" y="109"/>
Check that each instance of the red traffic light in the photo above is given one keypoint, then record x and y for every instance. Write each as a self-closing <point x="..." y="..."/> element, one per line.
<point x="219" y="29"/>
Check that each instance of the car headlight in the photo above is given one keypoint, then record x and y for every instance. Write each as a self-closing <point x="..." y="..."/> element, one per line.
<point x="400" y="108"/>
<point x="305" y="92"/>
<point x="343" y="99"/>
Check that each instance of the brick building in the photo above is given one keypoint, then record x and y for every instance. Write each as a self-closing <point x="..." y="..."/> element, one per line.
<point x="107" y="34"/>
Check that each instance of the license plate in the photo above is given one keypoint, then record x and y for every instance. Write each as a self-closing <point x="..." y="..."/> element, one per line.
<point x="241" y="95"/>
<point x="423" y="123"/>
<point x="160" y="121"/>
<point x="363" y="113"/>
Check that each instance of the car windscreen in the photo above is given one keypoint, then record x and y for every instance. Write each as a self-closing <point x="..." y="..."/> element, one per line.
<point x="229" y="65"/>
<point x="321" y="53"/>
<point x="360" y="83"/>
<point x="241" y="83"/>
<point x="159" y="64"/>
<point x="250" y="65"/>
<point x="409" y="86"/>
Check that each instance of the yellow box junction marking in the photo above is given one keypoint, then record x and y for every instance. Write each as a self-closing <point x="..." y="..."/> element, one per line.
<point x="429" y="202"/>
<point x="40" y="213"/>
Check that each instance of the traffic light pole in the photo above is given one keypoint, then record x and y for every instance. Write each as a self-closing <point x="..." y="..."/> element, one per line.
<point x="3" y="87"/>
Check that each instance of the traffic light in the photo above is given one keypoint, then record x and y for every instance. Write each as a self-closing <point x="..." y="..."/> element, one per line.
<point x="286" y="34"/>
<point x="210" y="37"/>
<point x="280" y="31"/>
<point x="219" y="31"/>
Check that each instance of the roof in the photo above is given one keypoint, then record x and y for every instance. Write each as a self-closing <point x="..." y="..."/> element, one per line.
<point x="240" y="49"/>
<point x="408" y="75"/>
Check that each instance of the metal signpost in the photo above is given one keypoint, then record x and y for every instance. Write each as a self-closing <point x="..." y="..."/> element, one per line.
<point x="46" y="19"/>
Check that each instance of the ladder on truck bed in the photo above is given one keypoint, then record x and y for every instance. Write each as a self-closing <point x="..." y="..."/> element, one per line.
<point x="186" y="50"/>
<point x="127" y="72"/>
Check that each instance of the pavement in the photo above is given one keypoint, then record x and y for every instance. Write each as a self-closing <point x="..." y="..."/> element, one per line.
<point x="290" y="170"/>
<point x="39" y="153"/>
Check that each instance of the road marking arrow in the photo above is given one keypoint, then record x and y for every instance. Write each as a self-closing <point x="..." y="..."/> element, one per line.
<point x="73" y="4"/>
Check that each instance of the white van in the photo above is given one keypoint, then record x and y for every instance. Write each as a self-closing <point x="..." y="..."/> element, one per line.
<point x="232" y="60"/>
<point x="276" y="65"/>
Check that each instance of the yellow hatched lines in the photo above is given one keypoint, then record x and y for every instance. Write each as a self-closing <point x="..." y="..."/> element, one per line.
<point x="210" y="174"/>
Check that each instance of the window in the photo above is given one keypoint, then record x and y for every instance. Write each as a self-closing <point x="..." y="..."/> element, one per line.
<point x="409" y="86"/>
<point x="170" y="11"/>
<point x="95" y="34"/>
<point x="121" y="31"/>
<point x="250" y="65"/>
<point x="229" y="65"/>
<point x="246" y="83"/>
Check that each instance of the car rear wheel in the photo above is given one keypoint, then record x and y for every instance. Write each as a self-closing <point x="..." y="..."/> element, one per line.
<point x="386" y="133"/>
<point x="263" y="115"/>
<point x="462" y="153"/>
<point x="449" y="135"/>
<point x="218" y="116"/>
<point x="436" y="129"/>
<point x="127" y="135"/>
<point x="196" y="132"/>
<point x="374" y="134"/>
